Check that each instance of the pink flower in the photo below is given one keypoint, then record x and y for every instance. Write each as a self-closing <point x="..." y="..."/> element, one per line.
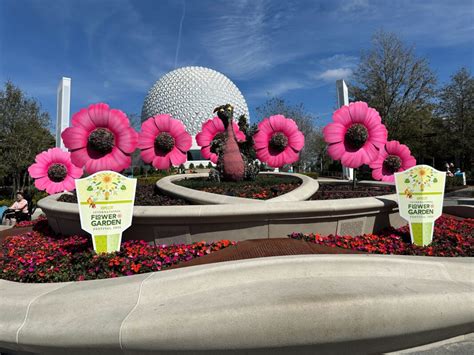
<point x="356" y="135"/>
<point x="54" y="172"/>
<point x="394" y="157"/>
<point x="100" y="139"/>
<point x="164" y="142"/>
<point x="212" y="131"/>
<point x="278" y="141"/>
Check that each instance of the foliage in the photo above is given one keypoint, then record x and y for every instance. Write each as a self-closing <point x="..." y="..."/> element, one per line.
<point x="400" y="86"/>
<point x="453" y="181"/>
<point x="312" y="175"/>
<point x="456" y="120"/>
<point x="340" y="191"/>
<point x="41" y="257"/>
<point x="147" y="194"/>
<point x="451" y="237"/>
<point x="264" y="187"/>
<point x="23" y="134"/>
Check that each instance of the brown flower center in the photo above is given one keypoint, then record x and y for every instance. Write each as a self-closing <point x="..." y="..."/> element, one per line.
<point x="278" y="142"/>
<point x="101" y="140"/>
<point x="392" y="164"/>
<point x="164" y="142"/>
<point x="218" y="142"/>
<point x="57" y="172"/>
<point x="356" y="136"/>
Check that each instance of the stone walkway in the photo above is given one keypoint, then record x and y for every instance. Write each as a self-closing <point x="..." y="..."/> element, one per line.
<point x="464" y="196"/>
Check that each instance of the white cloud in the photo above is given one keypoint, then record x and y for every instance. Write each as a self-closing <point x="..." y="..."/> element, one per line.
<point x="335" y="74"/>
<point x="354" y="5"/>
<point x="243" y="40"/>
<point x="339" y="60"/>
<point x="277" y="88"/>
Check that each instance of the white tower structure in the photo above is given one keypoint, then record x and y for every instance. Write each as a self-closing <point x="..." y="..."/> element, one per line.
<point x="63" y="109"/>
<point x="343" y="99"/>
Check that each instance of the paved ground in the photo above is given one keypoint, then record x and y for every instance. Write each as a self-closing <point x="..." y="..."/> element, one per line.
<point x="258" y="248"/>
<point x="462" y="345"/>
<point x="463" y="195"/>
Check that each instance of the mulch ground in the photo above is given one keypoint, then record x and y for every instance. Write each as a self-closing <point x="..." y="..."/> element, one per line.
<point x="259" y="248"/>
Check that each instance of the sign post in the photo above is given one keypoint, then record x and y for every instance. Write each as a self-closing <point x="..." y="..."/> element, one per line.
<point x="420" y="192"/>
<point x="105" y="202"/>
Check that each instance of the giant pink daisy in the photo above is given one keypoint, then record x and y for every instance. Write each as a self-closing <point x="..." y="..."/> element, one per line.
<point x="100" y="139"/>
<point x="54" y="172"/>
<point x="164" y="142"/>
<point x="213" y="131"/>
<point x="356" y="135"/>
<point x="394" y="157"/>
<point x="278" y="141"/>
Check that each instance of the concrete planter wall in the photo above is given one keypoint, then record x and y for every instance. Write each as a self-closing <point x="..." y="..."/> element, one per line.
<point x="305" y="304"/>
<point x="186" y="224"/>
<point x="167" y="185"/>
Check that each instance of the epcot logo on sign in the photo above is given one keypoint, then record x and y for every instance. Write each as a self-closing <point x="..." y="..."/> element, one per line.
<point x="105" y="202"/>
<point x="420" y="192"/>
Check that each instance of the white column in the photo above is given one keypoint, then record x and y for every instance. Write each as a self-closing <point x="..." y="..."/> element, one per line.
<point x="343" y="99"/>
<point x="63" y="109"/>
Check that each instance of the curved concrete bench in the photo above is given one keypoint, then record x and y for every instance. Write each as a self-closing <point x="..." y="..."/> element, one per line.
<point x="303" y="304"/>
<point x="167" y="185"/>
<point x="188" y="224"/>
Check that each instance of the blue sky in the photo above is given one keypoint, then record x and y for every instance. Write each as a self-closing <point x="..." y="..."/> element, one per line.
<point x="115" y="50"/>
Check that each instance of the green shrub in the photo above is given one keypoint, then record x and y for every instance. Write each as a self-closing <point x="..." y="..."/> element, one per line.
<point x="191" y="166"/>
<point x="200" y="166"/>
<point x="313" y="175"/>
<point x="149" y="180"/>
<point x="6" y="202"/>
<point x="454" y="181"/>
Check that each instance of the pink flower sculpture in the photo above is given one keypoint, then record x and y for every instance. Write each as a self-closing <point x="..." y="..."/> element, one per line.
<point x="100" y="139"/>
<point x="164" y="142"/>
<point x="278" y="141"/>
<point x="356" y="135"/>
<point x="212" y="131"/>
<point x="54" y="172"/>
<point x="394" y="157"/>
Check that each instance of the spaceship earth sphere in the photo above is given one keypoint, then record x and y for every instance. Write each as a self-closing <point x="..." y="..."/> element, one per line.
<point x="190" y="94"/>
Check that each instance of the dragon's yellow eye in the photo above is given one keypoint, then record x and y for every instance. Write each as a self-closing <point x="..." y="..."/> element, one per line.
<point x="220" y="110"/>
<point x="229" y="108"/>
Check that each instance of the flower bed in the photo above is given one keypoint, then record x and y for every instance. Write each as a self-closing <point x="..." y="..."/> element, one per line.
<point x="340" y="191"/>
<point x="264" y="187"/>
<point x="23" y="224"/>
<point x="452" y="237"/>
<point x="40" y="257"/>
<point x="146" y="195"/>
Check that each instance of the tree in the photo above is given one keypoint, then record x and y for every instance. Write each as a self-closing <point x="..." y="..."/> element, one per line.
<point x="400" y="86"/>
<point x="23" y="134"/>
<point x="306" y="123"/>
<point x="456" y="113"/>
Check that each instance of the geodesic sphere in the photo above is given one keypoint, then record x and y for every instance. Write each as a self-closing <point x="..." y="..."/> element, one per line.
<point x="190" y="94"/>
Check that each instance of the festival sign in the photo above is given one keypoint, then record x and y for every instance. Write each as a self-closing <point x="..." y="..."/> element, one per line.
<point x="420" y="192"/>
<point x="105" y="202"/>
